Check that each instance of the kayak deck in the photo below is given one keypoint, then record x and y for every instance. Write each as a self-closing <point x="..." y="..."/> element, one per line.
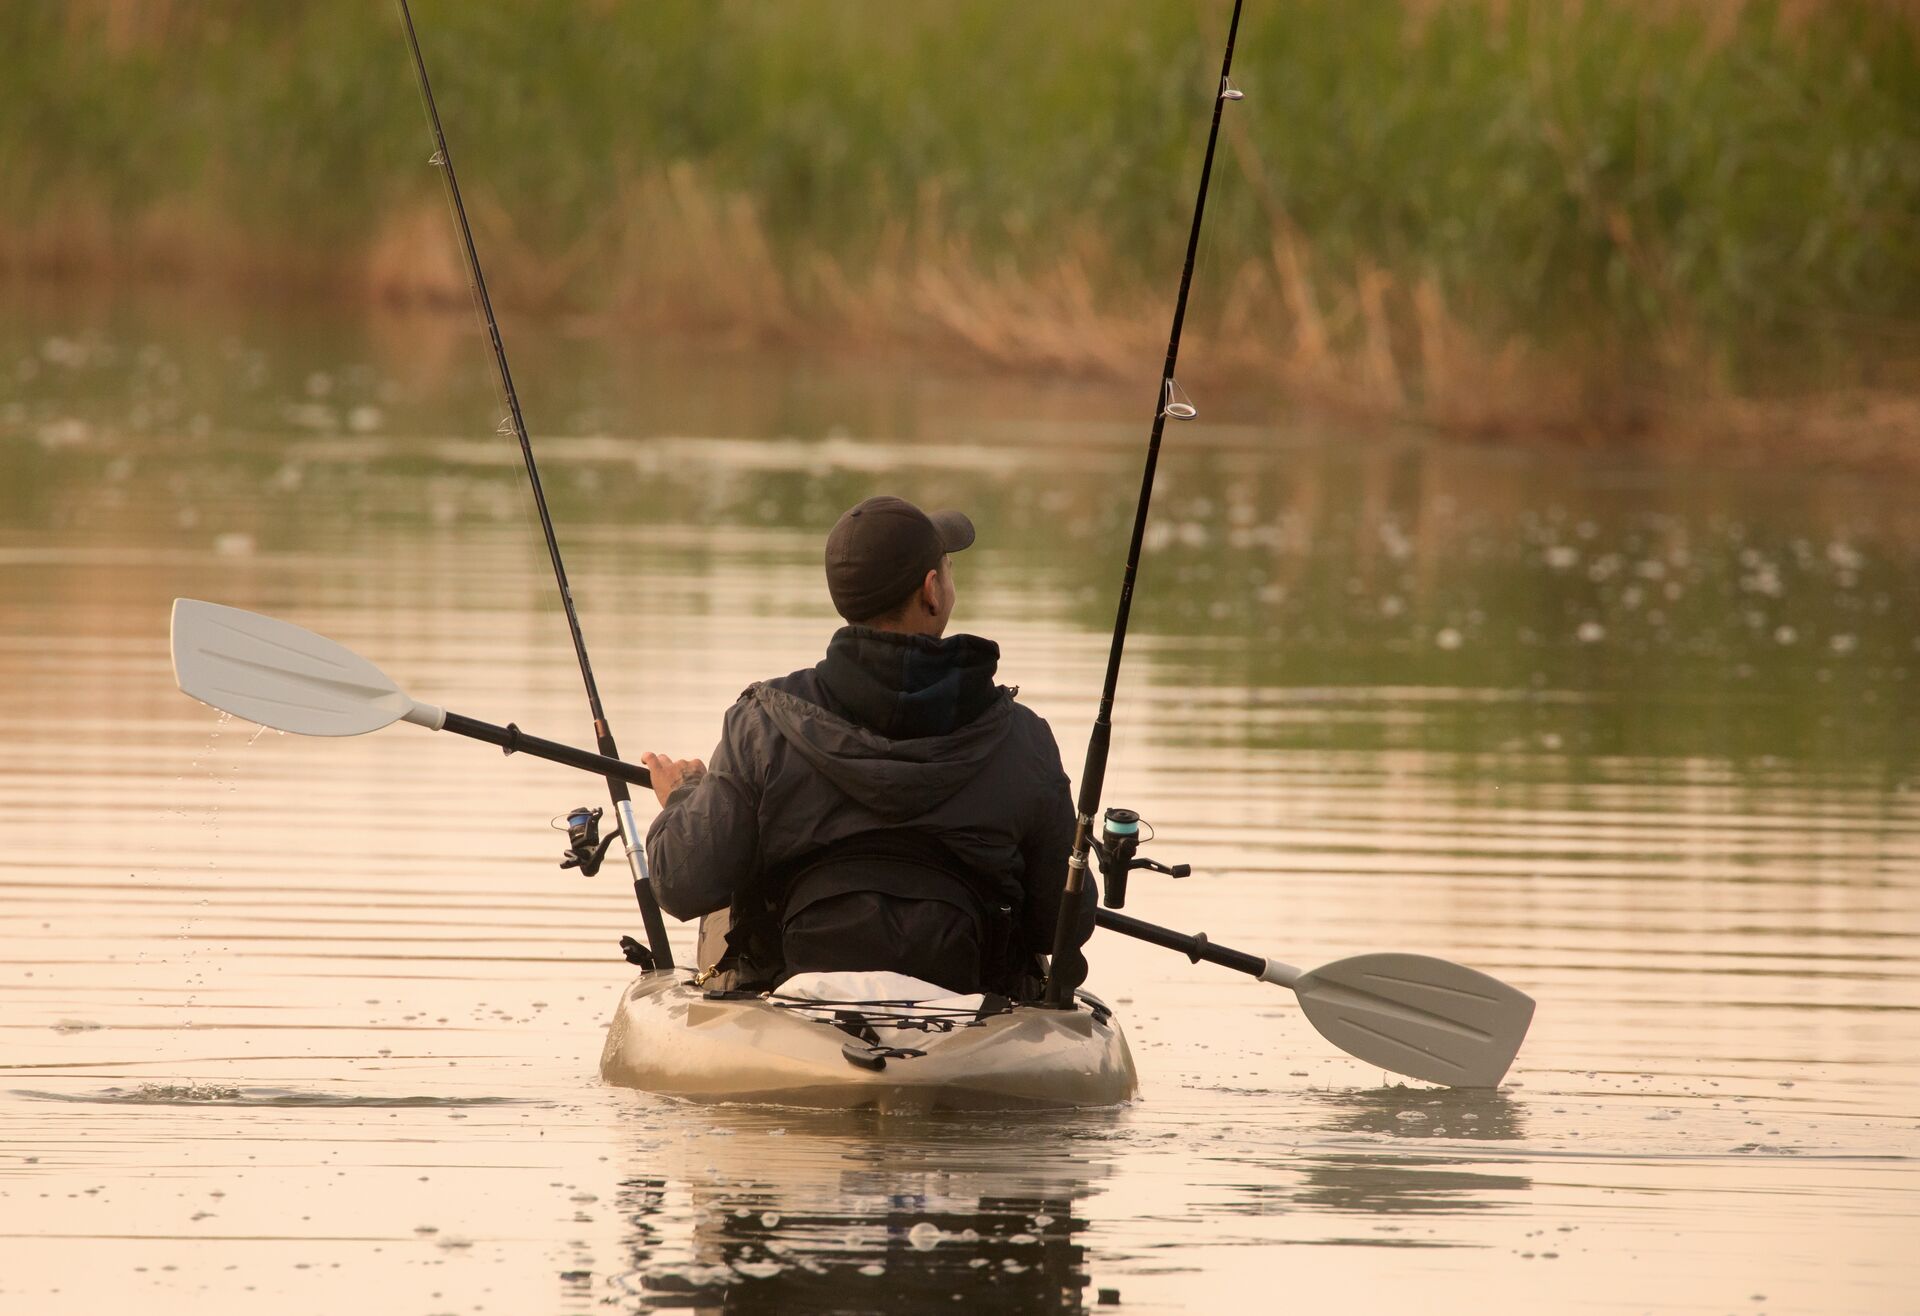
<point x="670" y="1037"/>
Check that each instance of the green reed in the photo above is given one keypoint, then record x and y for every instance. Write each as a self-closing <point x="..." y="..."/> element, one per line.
<point x="1608" y="179"/>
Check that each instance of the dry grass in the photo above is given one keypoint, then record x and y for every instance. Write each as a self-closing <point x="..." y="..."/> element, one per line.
<point x="696" y="261"/>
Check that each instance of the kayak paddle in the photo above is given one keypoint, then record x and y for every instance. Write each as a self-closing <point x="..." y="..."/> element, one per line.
<point x="286" y="677"/>
<point x="1413" y="1014"/>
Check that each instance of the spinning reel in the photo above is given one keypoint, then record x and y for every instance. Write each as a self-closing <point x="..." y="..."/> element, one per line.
<point x="1117" y="854"/>
<point x="1119" y="839"/>
<point x="586" y="849"/>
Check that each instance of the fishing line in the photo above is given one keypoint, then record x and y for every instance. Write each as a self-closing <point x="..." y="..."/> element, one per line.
<point x="514" y="424"/>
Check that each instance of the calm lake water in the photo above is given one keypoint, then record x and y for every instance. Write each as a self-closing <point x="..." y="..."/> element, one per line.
<point x="302" y="1026"/>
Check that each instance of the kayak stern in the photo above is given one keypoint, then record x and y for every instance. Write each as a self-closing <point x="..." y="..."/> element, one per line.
<point x="669" y="1037"/>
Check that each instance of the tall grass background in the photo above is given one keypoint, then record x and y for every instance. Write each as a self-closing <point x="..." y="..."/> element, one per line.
<point x="1485" y="213"/>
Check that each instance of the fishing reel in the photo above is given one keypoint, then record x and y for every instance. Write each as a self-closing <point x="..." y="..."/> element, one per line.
<point x="586" y="849"/>
<point x="1119" y="839"/>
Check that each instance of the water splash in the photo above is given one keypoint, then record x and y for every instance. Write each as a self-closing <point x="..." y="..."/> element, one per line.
<point x="216" y="1094"/>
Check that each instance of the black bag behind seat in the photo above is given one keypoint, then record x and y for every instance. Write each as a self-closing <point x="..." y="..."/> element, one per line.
<point x="895" y="900"/>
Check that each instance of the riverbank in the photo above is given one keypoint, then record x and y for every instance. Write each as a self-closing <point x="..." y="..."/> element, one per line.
<point x="1495" y="219"/>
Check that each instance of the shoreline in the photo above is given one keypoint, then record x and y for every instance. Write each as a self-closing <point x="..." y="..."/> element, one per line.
<point x="1849" y="428"/>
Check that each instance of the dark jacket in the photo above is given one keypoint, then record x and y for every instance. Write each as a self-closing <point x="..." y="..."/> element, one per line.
<point x="888" y="736"/>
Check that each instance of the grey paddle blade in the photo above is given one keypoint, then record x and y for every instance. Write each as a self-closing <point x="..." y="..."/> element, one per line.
<point x="1420" y="1016"/>
<point x="281" y="676"/>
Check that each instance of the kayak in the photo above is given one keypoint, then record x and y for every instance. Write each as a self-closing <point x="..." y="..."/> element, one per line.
<point x="881" y="1040"/>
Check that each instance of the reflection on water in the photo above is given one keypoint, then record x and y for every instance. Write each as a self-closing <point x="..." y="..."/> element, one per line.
<point x="1407" y="1112"/>
<point x="292" y="1022"/>
<point x="861" y="1213"/>
<point x="1399" y="1185"/>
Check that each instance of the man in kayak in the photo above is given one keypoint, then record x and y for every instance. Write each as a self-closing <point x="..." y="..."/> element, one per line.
<point x="890" y="807"/>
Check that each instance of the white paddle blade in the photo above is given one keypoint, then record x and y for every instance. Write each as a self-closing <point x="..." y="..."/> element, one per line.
<point x="1419" y="1016"/>
<point x="281" y="676"/>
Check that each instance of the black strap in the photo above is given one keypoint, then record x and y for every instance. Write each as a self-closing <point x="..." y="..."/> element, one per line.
<point x="865" y="1056"/>
<point x="855" y="1025"/>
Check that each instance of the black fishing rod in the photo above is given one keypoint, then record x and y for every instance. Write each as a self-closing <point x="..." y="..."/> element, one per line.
<point x="616" y="788"/>
<point x="1068" y="969"/>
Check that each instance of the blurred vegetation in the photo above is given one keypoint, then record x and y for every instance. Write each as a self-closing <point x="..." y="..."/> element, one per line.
<point x="1480" y="213"/>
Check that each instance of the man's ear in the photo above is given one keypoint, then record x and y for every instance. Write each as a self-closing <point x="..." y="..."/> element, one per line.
<point x="930" y="592"/>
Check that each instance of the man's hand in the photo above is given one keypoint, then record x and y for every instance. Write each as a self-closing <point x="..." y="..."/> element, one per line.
<point x="668" y="773"/>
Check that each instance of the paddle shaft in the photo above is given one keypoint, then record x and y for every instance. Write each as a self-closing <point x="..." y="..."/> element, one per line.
<point x="1093" y="775"/>
<point x="515" y="741"/>
<point x="1194" y="946"/>
<point x="603" y="734"/>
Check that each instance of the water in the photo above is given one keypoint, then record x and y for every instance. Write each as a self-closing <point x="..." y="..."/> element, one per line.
<point x="299" y="1024"/>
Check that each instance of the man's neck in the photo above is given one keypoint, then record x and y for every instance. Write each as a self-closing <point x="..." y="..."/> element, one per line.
<point x="922" y="625"/>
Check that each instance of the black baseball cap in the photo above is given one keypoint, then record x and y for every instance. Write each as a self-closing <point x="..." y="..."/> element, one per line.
<point x="882" y="548"/>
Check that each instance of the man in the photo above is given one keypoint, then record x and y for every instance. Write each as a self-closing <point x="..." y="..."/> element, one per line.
<point x="890" y="807"/>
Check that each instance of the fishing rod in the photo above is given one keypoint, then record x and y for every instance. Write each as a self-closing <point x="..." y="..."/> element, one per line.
<point x="516" y="424"/>
<point x="1068" y="967"/>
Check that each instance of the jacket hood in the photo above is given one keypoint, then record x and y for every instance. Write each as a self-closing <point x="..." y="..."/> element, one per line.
<point x="896" y="779"/>
<point x="908" y="686"/>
